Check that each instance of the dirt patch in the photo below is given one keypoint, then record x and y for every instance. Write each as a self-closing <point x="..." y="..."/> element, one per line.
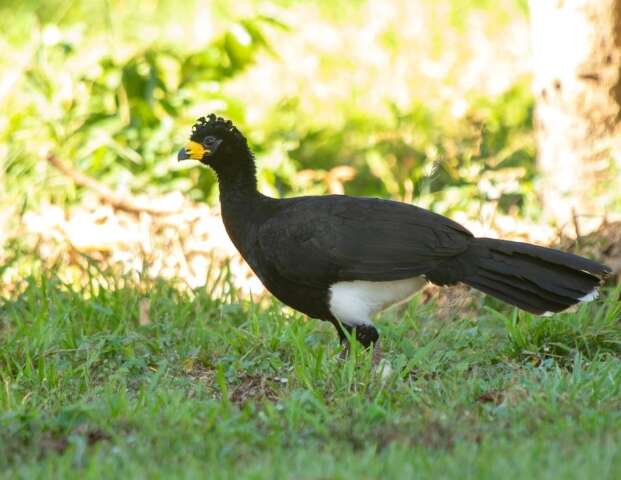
<point x="437" y="436"/>
<point x="433" y="435"/>
<point x="511" y="395"/>
<point x="198" y="371"/>
<point x="248" y="387"/>
<point x="254" y="388"/>
<point x="491" y="396"/>
<point x="430" y="434"/>
<point x="58" y="443"/>
<point x="54" y="444"/>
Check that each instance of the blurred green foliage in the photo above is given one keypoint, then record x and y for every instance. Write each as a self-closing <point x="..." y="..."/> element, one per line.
<point x="114" y="117"/>
<point x="449" y="164"/>
<point x="118" y="112"/>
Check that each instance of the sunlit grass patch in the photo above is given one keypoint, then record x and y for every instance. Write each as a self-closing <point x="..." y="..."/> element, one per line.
<point x="89" y="382"/>
<point x="591" y="330"/>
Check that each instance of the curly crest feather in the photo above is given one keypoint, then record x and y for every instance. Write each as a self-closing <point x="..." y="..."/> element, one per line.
<point x="214" y="125"/>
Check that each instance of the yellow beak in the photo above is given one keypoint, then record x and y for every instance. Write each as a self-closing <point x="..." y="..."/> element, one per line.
<point x="192" y="151"/>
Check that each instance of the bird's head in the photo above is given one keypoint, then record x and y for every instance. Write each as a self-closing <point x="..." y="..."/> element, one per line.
<point x="213" y="139"/>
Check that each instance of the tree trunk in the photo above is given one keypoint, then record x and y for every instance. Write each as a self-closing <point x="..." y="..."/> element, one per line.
<point x="577" y="84"/>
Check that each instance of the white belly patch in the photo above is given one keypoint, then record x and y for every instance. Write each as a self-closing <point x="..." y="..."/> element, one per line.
<point x="355" y="302"/>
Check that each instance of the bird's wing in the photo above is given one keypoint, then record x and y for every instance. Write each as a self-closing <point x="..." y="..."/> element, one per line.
<point x="319" y="240"/>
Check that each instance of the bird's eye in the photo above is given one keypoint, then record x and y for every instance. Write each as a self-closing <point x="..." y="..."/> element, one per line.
<point x="208" y="141"/>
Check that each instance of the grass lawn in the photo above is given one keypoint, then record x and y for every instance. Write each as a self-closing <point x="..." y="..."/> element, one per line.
<point x="200" y="388"/>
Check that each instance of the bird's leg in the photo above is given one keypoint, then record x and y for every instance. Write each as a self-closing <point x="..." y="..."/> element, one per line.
<point x="377" y="353"/>
<point x="343" y="332"/>
<point x="367" y="335"/>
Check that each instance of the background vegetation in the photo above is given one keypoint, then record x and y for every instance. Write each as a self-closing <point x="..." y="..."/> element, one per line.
<point x="114" y="87"/>
<point x="426" y="101"/>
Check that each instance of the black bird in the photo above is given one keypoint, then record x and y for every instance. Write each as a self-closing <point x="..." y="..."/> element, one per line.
<point x="343" y="259"/>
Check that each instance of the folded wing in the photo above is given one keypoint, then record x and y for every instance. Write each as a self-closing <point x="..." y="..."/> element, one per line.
<point x="338" y="238"/>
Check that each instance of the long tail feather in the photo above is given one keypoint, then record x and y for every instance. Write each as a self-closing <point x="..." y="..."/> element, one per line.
<point x="536" y="279"/>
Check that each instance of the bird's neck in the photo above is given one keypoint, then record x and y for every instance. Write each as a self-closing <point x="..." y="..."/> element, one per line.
<point x="237" y="178"/>
<point x="239" y="197"/>
<point x="238" y="188"/>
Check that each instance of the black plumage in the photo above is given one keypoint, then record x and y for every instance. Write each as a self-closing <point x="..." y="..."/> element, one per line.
<point x="302" y="247"/>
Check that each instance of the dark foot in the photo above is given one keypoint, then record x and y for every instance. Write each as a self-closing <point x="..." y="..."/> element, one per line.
<point x="367" y="335"/>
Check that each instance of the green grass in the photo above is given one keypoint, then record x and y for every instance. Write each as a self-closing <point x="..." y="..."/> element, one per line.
<point x="211" y="389"/>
